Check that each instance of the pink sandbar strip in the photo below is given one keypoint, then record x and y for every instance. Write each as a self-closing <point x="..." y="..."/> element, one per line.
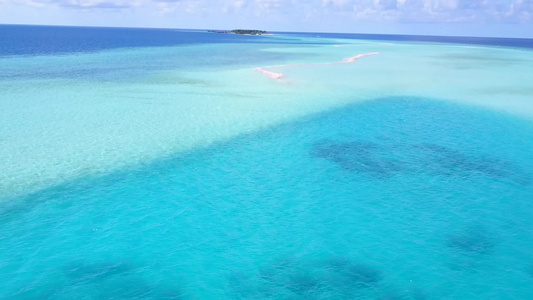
<point x="279" y="76"/>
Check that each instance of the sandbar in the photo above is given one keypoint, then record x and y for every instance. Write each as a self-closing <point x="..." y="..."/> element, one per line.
<point x="278" y="76"/>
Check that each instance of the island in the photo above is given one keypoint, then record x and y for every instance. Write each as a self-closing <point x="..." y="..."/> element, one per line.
<point x="243" y="31"/>
<point x="249" y="32"/>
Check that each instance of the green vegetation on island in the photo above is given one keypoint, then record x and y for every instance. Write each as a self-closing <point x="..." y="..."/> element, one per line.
<point x="248" y="31"/>
<point x="242" y="31"/>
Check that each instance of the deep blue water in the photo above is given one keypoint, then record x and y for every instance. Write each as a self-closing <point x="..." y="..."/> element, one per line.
<point x="49" y="40"/>
<point x="157" y="50"/>
<point x="484" y="41"/>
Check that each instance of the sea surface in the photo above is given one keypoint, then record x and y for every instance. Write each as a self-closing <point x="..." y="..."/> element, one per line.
<point x="157" y="164"/>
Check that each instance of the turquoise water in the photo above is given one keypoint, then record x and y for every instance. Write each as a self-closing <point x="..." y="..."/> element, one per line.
<point x="161" y="173"/>
<point x="398" y="197"/>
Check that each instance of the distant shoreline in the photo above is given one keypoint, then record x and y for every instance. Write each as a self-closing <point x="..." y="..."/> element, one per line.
<point x="242" y="32"/>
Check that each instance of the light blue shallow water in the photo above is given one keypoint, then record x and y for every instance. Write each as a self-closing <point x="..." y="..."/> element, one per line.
<point x="393" y="198"/>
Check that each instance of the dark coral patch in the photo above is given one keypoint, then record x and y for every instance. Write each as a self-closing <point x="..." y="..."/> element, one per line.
<point x="96" y="271"/>
<point x="448" y="161"/>
<point x="117" y="280"/>
<point x="530" y="271"/>
<point x="133" y="287"/>
<point x="352" y="274"/>
<point x="304" y="284"/>
<point x="360" y="157"/>
<point x="471" y="242"/>
<point x="361" y="275"/>
<point x="335" y="278"/>
<point x="383" y="160"/>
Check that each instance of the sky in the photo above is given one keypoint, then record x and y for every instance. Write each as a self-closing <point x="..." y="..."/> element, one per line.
<point x="492" y="18"/>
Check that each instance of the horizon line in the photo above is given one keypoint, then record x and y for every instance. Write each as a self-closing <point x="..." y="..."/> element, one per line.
<point x="309" y="32"/>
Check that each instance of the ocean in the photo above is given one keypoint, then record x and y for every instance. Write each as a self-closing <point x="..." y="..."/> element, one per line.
<point x="163" y="164"/>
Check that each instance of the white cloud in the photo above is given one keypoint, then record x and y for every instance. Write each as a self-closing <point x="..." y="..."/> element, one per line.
<point x="522" y="10"/>
<point x="334" y="3"/>
<point x="385" y="4"/>
<point x="436" y="11"/>
<point x="187" y="6"/>
<point x="237" y="4"/>
<point x="82" y="4"/>
<point x="233" y="6"/>
<point x="268" y="4"/>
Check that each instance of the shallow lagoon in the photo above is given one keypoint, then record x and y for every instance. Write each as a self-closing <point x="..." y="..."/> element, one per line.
<point x="340" y="182"/>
